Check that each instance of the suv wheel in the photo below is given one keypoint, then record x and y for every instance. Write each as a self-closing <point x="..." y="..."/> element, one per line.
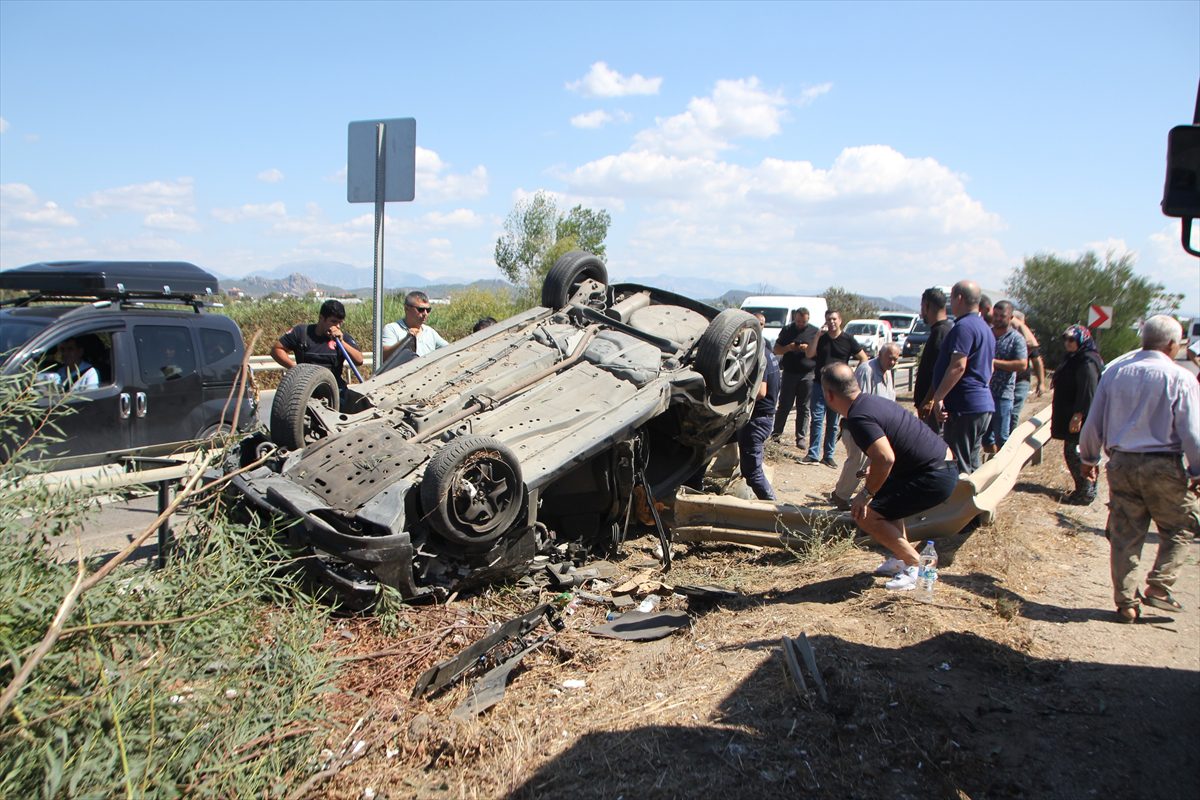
<point x="292" y="421"/>
<point x="568" y="274"/>
<point x="472" y="490"/>
<point x="728" y="351"/>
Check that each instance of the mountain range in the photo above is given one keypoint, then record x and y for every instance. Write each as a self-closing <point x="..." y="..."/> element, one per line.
<point x="335" y="277"/>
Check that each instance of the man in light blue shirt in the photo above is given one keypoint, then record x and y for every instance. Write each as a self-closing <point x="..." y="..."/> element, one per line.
<point x="1012" y="356"/>
<point x="1146" y="417"/>
<point x="414" y="334"/>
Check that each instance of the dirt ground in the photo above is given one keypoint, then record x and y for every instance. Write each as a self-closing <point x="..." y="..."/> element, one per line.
<point x="1015" y="682"/>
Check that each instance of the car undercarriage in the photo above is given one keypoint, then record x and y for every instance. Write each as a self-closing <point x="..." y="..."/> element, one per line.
<point x="536" y="436"/>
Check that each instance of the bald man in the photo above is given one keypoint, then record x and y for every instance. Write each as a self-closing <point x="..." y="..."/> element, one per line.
<point x="961" y="376"/>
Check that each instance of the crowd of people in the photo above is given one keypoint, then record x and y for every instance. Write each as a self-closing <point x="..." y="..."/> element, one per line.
<point x="974" y="375"/>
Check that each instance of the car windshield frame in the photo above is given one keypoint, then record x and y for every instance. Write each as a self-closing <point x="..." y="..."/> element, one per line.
<point x="16" y="332"/>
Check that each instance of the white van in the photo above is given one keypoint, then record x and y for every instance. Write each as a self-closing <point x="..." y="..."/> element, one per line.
<point x="778" y="308"/>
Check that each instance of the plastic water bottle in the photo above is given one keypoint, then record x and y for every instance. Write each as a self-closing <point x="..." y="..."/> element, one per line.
<point x="649" y="604"/>
<point x="927" y="573"/>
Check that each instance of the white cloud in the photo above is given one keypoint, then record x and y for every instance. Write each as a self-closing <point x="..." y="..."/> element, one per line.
<point x="599" y="118"/>
<point x="601" y="81"/>
<point x="144" y="198"/>
<point x="20" y="206"/>
<point x="17" y="194"/>
<point x="49" y="214"/>
<point x="873" y="215"/>
<point x="250" y="211"/>
<point x="171" y="220"/>
<point x="812" y="93"/>
<point x="735" y="109"/>
<point x="436" y="184"/>
<point x="458" y="218"/>
<point x="3" y="125"/>
<point x="271" y="175"/>
<point x="1167" y="263"/>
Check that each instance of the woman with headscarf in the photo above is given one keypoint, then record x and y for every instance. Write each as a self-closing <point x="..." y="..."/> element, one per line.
<point x="1074" y="387"/>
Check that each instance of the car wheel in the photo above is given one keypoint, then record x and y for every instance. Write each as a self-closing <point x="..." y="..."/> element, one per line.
<point x="215" y="431"/>
<point x="728" y="351"/>
<point x="472" y="490"/>
<point x="291" y="415"/>
<point x="568" y="272"/>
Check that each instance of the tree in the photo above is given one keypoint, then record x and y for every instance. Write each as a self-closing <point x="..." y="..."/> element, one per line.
<point x="536" y="233"/>
<point x="848" y="304"/>
<point x="1055" y="293"/>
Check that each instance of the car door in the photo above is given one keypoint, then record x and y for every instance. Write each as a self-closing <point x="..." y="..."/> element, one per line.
<point x="90" y="425"/>
<point x="165" y="387"/>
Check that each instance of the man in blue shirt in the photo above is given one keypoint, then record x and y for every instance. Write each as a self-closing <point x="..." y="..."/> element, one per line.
<point x="961" y="377"/>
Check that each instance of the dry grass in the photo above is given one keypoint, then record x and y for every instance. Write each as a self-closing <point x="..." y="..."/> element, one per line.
<point x="922" y="696"/>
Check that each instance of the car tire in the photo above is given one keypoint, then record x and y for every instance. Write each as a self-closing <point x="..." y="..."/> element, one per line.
<point x="214" y="431"/>
<point x="301" y="385"/>
<point x="568" y="272"/>
<point x="728" y="351"/>
<point x="472" y="491"/>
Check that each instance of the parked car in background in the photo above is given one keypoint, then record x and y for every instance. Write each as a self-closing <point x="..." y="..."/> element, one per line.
<point x="902" y="323"/>
<point x="533" y="437"/>
<point x="917" y="338"/>
<point x="163" y="369"/>
<point x="778" y="308"/>
<point x="872" y="334"/>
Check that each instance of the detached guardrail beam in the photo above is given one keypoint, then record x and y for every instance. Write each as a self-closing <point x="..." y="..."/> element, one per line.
<point x="723" y="518"/>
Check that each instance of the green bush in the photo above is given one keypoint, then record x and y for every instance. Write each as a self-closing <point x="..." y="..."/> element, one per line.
<point x="202" y="678"/>
<point x="271" y="319"/>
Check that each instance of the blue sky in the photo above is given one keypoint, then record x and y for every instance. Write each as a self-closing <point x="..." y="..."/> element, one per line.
<point x="883" y="147"/>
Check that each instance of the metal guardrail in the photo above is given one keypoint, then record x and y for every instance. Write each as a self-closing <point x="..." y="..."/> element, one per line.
<point x="268" y="364"/>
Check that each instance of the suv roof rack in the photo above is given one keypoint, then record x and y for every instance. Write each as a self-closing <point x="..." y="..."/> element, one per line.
<point x="124" y="281"/>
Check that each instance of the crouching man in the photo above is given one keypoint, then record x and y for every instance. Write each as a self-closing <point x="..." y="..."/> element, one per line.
<point x="910" y="469"/>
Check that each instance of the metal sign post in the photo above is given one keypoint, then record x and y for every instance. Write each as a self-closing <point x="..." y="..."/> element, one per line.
<point x="381" y="167"/>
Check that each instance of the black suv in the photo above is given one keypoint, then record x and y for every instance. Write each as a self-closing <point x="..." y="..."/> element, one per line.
<point x="157" y="371"/>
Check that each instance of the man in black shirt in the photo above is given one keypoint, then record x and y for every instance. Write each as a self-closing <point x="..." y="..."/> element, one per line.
<point x="910" y="469"/>
<point x="834" y="346"/>
<point x="933" y="312"/>
<point x="318" y="343"/>
<point x="796" y="348"/>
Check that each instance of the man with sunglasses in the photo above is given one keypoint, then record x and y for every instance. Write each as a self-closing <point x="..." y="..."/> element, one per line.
<point x="413" y="334"/>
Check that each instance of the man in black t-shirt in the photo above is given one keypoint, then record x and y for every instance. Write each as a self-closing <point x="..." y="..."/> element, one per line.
<point x="796" y="348"/>
<point x="318" y="343"/>
<point x="910" y="469"/>
<point x="933" y="313"/>
<point x="834" y="346"/>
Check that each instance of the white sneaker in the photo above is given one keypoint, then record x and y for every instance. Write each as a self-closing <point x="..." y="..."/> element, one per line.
<point x="890" y="568"/>
<point x="905" y="581"/>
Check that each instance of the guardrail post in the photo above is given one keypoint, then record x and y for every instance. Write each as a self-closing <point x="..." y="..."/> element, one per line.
<point x="165" y="539"/>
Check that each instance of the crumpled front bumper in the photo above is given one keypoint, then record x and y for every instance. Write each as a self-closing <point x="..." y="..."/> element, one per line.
<point x="384" y="549"/>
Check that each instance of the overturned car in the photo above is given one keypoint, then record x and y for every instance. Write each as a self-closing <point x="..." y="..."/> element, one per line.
<point x="526" y="438"/>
